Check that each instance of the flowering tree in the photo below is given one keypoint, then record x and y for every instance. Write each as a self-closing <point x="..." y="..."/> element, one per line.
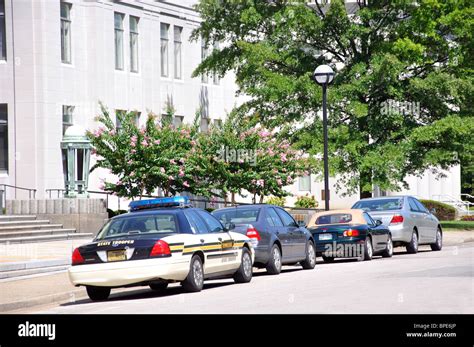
<point x="156" y="155"/>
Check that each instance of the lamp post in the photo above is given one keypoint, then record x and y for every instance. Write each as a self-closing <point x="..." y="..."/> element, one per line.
<point x="76" y="152"/>
<point x="324" y="75"/>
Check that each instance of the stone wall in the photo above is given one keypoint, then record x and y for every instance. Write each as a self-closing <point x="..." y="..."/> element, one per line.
<point x="84" y="215"/>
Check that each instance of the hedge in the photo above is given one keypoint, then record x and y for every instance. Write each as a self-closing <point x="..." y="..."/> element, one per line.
<point x="443" y="211"/>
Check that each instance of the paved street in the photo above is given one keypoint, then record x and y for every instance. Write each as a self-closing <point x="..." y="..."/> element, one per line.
<point x="427" y="282"/>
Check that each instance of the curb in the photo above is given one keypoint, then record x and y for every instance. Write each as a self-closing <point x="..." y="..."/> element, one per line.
<point x="33" y="264"/>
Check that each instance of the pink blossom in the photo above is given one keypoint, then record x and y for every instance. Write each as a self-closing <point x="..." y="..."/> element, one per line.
<point x="162" y="170"/>
<point x="181" y="173"/>
<point x="144" y="143"/>
<point x="186" y="184"/>
<point x="289" y="180"/>
<point x="279" y="182"/>
<point x="156" y="142"/>
<point x="172" y="161"/>
<point x="134" y="138"/>
<point x="270" y="151"/>
<point x="133" y="151"/>
<point x="283" y="157"/>
<point x="142" y="130"/>
<point x="112" y="132"/>
<point x="264" y="134"/>
<point x="130" y="162"/>
<point x="193" y="143"/>
<point x="133" y="144"/>
<point x="171" y="178"/>
<point x="260" y="183"/>
<point x="102" y="186"/>
<point x="93" y="151"/>
<point x="132" y="174"/>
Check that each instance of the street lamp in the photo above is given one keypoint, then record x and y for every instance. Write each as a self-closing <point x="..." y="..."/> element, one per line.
<point x="324" y="75"/>
<point x="76" y="151"/>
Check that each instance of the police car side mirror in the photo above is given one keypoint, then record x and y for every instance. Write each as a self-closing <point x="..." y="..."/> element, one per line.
<point x="229" y="226"/>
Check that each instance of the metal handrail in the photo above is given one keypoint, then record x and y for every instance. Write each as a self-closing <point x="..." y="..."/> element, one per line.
<point x="3" y="195"/>
<point x="457" y="203"/>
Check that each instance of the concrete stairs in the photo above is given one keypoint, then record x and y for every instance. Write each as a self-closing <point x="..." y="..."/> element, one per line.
<point x="26" y="229"/>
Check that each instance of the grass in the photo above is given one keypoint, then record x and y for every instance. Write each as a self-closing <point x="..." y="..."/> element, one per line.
<point x="458" y="225"/>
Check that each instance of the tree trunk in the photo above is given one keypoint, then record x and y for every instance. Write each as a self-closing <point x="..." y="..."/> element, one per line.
<point x="261" y="198"/>
<point x="233" y="198"/>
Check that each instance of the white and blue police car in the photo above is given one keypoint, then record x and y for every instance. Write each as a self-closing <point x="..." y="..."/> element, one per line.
<point x="161" y="241"/>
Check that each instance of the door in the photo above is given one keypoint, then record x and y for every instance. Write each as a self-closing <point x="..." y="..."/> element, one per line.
<point x="273" y="226"/>
<point x="229" y="257"/>
<point x="282" y="234"/>
<point x="379" y="233"/>
<point x="207" y="241"/>
<point x="296" y="237"/>
<point x="429" y="224"/>
<point x="418" y="218"/>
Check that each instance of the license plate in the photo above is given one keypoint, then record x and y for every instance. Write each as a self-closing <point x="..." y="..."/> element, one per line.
<point x="325" y="236"/>
<point x="116" y="255"/>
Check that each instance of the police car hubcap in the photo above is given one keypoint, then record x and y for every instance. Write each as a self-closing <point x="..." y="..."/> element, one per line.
<point x="197" y="271"/>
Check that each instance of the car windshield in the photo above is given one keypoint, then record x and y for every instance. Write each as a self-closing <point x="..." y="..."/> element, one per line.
<point x="379" y="204"/>
<point x="337" y="218"/>
<point x="238" y="215"/>
<point x="152" y="224"/>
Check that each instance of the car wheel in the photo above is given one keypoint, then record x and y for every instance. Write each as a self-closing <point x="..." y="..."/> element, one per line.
<point x="388" y="252"/>
<point x="159" y="286"/>
<point x="328" y="259"/>
<point x="439" y="241"/>
<point x="195" y="279"/>
<point x="368" y="249"/>
<point x="310" y="260"/>
<point x="412" y="247"/>
<point x="98" y="293"/>
<point x="244" y="273"/>
<point x="274" y="264"/>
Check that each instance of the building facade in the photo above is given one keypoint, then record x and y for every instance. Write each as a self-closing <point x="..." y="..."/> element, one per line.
<point x="58" y="59"/>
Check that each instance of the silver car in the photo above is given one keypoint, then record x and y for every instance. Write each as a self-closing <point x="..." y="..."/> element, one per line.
<point x="409" y="221"/>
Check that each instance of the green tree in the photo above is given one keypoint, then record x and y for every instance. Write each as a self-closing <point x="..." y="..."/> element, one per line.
<point x="415" y="53"/>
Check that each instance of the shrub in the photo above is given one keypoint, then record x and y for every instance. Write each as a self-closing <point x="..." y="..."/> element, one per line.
<point x="275" y="200"/>
<point x="306" y="202"/>
<point x="468" y="218"/>
<point x="113" y="213"/>
<point x="443" y="211"/>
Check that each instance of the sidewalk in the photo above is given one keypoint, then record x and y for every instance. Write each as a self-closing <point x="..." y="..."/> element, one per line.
<point x="20" y="293"/>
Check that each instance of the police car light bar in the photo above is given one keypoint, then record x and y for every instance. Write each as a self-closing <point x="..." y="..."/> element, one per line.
<point x="177" y="201"/>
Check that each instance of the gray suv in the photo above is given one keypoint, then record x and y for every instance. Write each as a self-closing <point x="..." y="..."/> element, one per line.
<point x="276" y="237"/>
<point x="409" y="221"/>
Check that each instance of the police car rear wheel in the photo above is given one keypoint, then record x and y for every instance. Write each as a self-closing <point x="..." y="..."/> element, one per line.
<point x="98" y="293"/>
<point x="159" y="286"/>
<point x="244" y="273"/>
<point x="195" y="279"/>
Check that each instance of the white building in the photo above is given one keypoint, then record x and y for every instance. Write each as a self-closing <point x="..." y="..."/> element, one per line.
<point x="59" y="58"/>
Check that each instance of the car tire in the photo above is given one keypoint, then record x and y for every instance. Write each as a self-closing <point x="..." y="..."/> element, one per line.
<point x="438" y="245"/>
<point x="195" y="279"/>
<point x="368" y="249"/>
<point x="388" y="252"/>
<point x="328" y="259"/>
<point x="159" y="286"/>
<point x="310" y="261"/>
<point x="274" y="264"/>
<point x="98" y="293"/>
<point x="244" y="273"/>
<point x="412" y="246"/>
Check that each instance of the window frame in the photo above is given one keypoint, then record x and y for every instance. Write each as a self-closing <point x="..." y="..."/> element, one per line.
<point x="66" y="52"/>
<point x="3" y="31"/>
<point x="164" y="45"/>
<point x="134" y="44"/>
<point x="178" y="43"/>
<point x="4" y="123"/>
<point x="119" y="32"/>
<point x="67" y="110"/>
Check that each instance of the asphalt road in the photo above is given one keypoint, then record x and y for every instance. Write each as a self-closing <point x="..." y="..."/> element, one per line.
<point x="427" y="282"/>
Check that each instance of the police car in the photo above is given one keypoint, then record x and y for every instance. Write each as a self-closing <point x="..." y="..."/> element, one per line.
<point x="161" y="241"/>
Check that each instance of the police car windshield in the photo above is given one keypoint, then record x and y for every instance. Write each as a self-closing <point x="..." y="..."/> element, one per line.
<point x="139" y="225"/>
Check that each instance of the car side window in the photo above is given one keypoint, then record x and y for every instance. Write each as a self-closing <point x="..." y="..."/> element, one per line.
<point x="368" y="219"/>
<point x="272" y="215"/>
<point x="213" y="224"/>
<point x="197" y="224"/>
<point x="288" y="220"/>
<point x="413" y="206"/>
<point x="420" y="206"/>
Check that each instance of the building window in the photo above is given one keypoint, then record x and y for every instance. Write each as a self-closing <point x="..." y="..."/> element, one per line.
<point x="164" y="31"/>
<point x="204" y="55"/>
<point x="66" y="33"/>
<point x="133" y="44"/>
<point x="178" y="121"/>
<point x="177" y="52"/>
<point x="215" y="76"/>
<point x="3" y="138"/>
<point x="304" y="183"/>
<point x="67" y="117"/>
<point x="118" y="25"/>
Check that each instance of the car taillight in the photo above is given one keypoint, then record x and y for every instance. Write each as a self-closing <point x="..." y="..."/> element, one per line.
<point x="350" y="233"/>
<point x="252" y="233"/>
<point x="77" y="257"/>
<point x="160" y="249"/>
<point x="396" y="219"/>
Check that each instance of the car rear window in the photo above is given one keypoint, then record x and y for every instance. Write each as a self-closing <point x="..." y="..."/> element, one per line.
<point x="238" y="215"/>
<point x="337" y="218"/>
<point x="379" y="204"/>
<point x="149" y="224"/>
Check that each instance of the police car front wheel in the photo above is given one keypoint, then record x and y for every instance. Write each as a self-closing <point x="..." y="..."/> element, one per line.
<point x="98" y="293"/>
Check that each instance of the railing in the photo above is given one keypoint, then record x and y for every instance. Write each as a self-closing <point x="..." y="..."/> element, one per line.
<point x="460" y="205"/>
<point x="3" y="194"/>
